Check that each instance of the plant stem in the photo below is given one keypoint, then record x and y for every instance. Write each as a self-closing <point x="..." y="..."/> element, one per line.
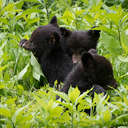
<point x="15" y="67"/>
<point x="119" y="35"/>
<point x="46" y="7"/>
<point x="72" y="121"/>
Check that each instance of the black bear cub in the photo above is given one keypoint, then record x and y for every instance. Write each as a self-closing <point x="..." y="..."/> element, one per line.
<point x="75" y="42"/>
<point x="45" y="43"/>
<point x="92" y="71"/>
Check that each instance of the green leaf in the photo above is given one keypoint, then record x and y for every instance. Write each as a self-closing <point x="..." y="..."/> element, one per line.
<point x="62" y="95"/>
<point x="27" y="12"/>
<point x="19" y="4"/>
<point x="3" y="68"/>
<point x="35" y="1"/>
<point x="37" y="72"/>
<point x="2" y="86"/>
<point x="82" y="96"/>
<point x="121" y="119"/>
<point x="107" y="115"/>
<point x="85" y="1"/>
<point x="20" y="75"/>
<point x="19" y="112"/>
<point x="73" y="94"/>
<point x="68" y="17"/>
<point x="111" y="43"/>
<point x="123" y="59"/>
<point x="31" y="21"/>
<point x="5" y="112"/>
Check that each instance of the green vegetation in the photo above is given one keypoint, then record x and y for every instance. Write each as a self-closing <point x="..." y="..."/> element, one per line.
<point x="21" y="105"/>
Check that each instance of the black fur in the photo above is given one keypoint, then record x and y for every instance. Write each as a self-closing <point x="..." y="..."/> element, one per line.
<point x="45" y="43"/>
<point x="92" y="70"/>
<point x="75" y="42"/>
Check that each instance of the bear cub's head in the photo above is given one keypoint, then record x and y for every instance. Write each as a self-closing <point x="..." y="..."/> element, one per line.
<point x="75" y="42"/>
<point x="99" y="68"/>
<point x="43" y="39"/>
<point x="91" y="70"/>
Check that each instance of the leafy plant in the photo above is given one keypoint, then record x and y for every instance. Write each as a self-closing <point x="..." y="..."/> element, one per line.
<point x="21" y="104"/>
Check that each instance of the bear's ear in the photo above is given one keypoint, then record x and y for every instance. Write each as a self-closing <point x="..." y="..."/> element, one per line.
<point x="65" y="32"/>
<point x="54" y="21"/>
<point x="54" y="37"/>
<point x="87" y="60"/>
<point x="94" y="33"/>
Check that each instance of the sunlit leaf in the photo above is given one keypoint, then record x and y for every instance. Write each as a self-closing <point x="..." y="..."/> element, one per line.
<point x="107" y="115"/>
<point x="37" y="72"/>
<point x="5" y="112"/>
<point x="18" y="112"/>
<point x="20" y="75"/>
<point x="73" y="94"/>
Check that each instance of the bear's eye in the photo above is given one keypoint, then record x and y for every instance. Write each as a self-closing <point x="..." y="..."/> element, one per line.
<point x="31" y="41"/>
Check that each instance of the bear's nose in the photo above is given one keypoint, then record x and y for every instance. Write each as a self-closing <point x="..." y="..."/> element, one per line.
<point x="22" y="42"/>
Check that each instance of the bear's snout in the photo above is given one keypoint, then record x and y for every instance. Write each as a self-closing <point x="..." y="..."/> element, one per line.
<point x="22" y="42"/>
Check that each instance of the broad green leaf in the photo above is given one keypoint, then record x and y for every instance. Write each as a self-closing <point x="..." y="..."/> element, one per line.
<point x="27" y="12"/>
<point x="5" y="112"/>
<point x="31" y="21"/>
<point x="19" y="112"/>
<point x="56" y="111"/>
<point x="82" y="96"/>
<point x="99" y="100"/>
<point x="112" y="44"/>
<point x="2" y="86"/>
<point x="4" y="20"/>
<point x="73" y="94"/>
<point x="68" y="17"/>
<point x="37" y="72"/>
<point x="85" y="103"/>
<point x="66" y="105"/>
<point x="123" y="59"/>
<point x="26" y="37"/>
<point x="11" y="101"/>
<point x="1" y="4"/>
<point x="90" y="19"/>
<point x="25" y="120"/>
<point x="65" y="117"/>
<point x="62" y="95"/>
<point x="40" y="102"/>
<point x="51" y="105"/>
<point x="121" y="119"/>
<point x="20" y="75"/>
<point x="78" y="12"/>
<point x="9" y="7"/>
<point x="107" y="115"/>
<point x="19" y="4"/>
<point x="3" y="68"/>
<point x="125" y="47"/>
<point x="126" y="100"/>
